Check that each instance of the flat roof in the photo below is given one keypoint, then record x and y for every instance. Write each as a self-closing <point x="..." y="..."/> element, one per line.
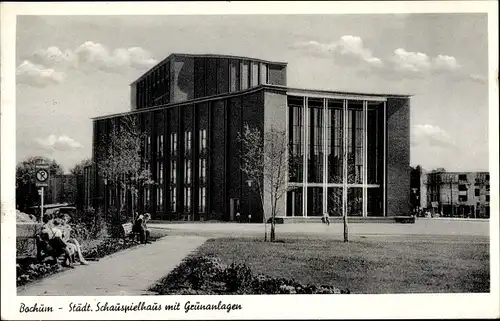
<point x="284" y="89"/>
<point x="206" y="55"/>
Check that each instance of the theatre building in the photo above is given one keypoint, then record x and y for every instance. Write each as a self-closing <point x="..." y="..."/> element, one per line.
<point x="192" y="107"/>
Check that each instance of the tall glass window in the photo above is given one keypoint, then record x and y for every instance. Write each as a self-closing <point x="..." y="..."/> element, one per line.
<point x="234" y="75"/>
<point x="203" y="140"/>
<point x="263" y="73"/>
<point x="187" y="199"/>
<point x="173" y="199"/>
<point x="315" y="143"/>
<point x="188" y="139"/>
<point x="334" y="140"/>
<point x="245" y="75"/>
<point x="202" y="199"/>
<point x="294" y="201"/>
<point x="355" y="201"/>
<point x="255" y="74"/>
<point x="173" y="144"/>
<point x="203" y="170"/>
<point x="355" y="139"/>
<point x="334" y="199"/>
<point x="314" y="201"/>
<point x="159" y="146"/>
<point x="296" y="129"/>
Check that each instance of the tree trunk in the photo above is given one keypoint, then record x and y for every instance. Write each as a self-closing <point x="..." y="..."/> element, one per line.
<point x="265" y="229"/>
<point x="346" y="232"/>
<point x="273" y="231"/>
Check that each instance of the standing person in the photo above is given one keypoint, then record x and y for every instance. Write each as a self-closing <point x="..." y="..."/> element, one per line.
<point x="326" y="218"/>
<point x="238" y="217"/>
<point x="249" y="218"/>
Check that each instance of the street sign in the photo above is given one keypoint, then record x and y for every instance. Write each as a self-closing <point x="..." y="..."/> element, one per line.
<point x="42" y="175"/>
<point x="434" y="204"/>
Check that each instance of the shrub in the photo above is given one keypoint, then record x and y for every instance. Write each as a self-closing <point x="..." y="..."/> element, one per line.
<point x="208" y="275"/>
<point x="238" y="278"/>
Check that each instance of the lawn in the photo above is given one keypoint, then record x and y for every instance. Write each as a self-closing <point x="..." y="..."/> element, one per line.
<point x="366" y="265"/>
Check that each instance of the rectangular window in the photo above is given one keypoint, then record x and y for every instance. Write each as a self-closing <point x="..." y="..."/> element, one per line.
<point x="173" y="172"/>
<point x="234" y="75"/>
<point x="334" y="140"/>
<point x="245" y="75"/>
<point x="488" y="187"/>
<point x="294" y="201"/>
<point x="255" y="74"/>
<point x="160" y="172"/>
<point x="263" y="73"/>
<point x="462" y="187"/>
<point x="375" y="143"/>
<point x="355" y="142"/>
<point x="147" y="146"/>
<point x="314" y="201"/>
<point x="203" y="140"/>
<point x="487" y="177"/>
<point x="222" y="75"/>
<point x="334" y="200"/>
<point x="159" y="146"/>
<point x="315" y="143"/>
<point x="202" y="199"/>
<point x="187" y="171"/>
<point x="188" y="141"/>
<point x="173" y="198"/>
<point x="487" y="198"/>
<point x="462" y="177"/>
<point x="187" y="199"/>
<point x="159" y="199"/>
<point x="295" y="132"/>
<point x="173" y="144"/>
<point x="202" y="164"/>
<point x="477" y="192"/>
<point x="355" y="201"/>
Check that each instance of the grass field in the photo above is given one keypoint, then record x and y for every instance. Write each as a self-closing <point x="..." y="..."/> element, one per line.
<point x="366" y="265"/>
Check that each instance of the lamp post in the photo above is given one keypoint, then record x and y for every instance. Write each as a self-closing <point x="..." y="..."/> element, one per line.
<point x="249" y="182"/>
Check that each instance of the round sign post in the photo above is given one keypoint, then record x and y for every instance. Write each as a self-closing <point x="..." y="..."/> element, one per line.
<point x="42" y="181"/>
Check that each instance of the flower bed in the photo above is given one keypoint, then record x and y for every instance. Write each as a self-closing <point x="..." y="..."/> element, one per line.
<point x="208" y="275"/>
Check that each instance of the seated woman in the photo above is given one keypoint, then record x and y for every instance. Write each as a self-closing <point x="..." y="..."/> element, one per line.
<point x="52" y="236"/>
<point x="140" y="227"/>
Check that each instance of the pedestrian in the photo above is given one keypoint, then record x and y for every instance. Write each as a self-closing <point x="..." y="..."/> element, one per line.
<point x="238" y="217"/>
<point x="249" y="218"/>
<point x="326" y="218"/>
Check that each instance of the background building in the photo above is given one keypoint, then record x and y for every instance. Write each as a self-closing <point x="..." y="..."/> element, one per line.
<point x="61" y="189"/>
<point x="460" y="194"/>
<point x="192" y="109"/>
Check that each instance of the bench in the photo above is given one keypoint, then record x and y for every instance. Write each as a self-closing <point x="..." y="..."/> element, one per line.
<point x="405" y="219"/>
<point x="127" y="231"/>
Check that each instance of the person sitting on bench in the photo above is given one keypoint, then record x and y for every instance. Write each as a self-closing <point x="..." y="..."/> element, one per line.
<point x="140" y="227"/>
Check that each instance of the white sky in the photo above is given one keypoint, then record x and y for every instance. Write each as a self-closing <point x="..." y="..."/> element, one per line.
<point x="72" y="68"/>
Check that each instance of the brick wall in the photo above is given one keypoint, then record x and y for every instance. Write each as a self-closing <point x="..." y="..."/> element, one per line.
<point x="398" y="156"/>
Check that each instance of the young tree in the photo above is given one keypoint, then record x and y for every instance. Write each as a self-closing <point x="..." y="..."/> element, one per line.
<point x="26" y="191"/>
<point x="121" y="161"/>
<point x="265" y="162"/>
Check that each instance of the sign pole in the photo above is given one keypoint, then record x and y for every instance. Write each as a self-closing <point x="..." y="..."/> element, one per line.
<point x="41" y="204"/>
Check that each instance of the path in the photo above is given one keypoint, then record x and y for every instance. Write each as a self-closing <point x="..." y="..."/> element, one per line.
<point x="422" y="227"/>
<point x="129" y="272"/>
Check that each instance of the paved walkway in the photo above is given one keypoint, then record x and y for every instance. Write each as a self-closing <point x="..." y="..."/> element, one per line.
<point x="422" y="227"/>
<point x="129" y="272"/>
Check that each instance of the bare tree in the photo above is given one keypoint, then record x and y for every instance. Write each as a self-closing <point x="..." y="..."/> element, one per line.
<point x="265" y="162"/>
<point x="121" y="161"/>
